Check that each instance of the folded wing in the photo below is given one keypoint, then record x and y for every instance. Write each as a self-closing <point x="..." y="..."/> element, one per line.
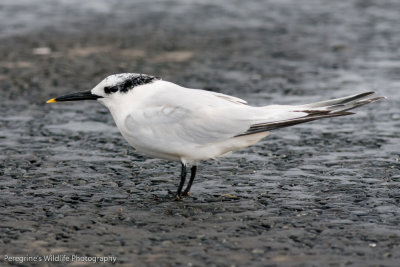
<point x="314" y="111"/>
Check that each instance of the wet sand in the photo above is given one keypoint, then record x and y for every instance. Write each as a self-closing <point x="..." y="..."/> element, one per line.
<point x="326" y="193"/>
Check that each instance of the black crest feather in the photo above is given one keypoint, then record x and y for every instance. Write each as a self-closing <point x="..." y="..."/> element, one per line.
<point x="130" y="82"/>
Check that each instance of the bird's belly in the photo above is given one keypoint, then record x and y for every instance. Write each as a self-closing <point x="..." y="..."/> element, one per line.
<point x="188" y="152"/>
<point x="167" y="149"/>
<point x="152" y="147"/>
<point x="157" y="153"/>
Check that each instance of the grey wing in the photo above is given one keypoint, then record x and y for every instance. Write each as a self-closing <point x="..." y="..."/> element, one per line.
<point x="304" y="113"/>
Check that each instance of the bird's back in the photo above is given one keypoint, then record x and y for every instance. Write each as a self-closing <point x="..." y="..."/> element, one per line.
<point x="176" y="123"/>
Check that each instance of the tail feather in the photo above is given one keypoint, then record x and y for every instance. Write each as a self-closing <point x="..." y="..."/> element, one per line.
<point x="338" y="101"/>
<point x="360" y="103"/>
<point x="315" y="111"/>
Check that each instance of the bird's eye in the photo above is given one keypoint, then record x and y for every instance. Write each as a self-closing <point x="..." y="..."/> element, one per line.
<point x="110" y="89"/>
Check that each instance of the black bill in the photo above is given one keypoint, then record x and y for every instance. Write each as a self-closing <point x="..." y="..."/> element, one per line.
<point x="86" y="95"/>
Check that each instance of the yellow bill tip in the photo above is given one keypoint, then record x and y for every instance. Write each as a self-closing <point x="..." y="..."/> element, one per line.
<point x="53" y="100"/>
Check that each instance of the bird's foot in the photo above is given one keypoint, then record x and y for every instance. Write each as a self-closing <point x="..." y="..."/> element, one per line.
<point x="179" y="197"/>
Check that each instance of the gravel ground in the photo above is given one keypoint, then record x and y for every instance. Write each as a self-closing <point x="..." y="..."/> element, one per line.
<point x="325" y="193"/>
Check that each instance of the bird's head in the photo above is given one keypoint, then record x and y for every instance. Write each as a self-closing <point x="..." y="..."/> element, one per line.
<point x="111" y="88"/>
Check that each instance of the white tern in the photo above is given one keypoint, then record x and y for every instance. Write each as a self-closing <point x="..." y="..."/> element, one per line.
<point x="168" y="121"/>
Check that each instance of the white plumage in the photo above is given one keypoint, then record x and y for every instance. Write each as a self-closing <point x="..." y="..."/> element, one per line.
<point x="165" y="120"/>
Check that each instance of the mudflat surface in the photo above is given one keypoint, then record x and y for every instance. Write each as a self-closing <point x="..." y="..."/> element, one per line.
<point x="326" y="193"/>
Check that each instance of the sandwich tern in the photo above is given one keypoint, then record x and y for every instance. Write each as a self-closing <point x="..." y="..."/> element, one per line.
<point x="167" y="121"/>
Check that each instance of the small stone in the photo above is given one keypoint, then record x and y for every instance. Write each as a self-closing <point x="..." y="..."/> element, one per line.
<point x="166" y="243"/>
<point x="41" y="51"/>
<point x="257" y="251"/>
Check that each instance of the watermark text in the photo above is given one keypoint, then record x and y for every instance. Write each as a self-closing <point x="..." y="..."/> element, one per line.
<point x="59" y="258"/>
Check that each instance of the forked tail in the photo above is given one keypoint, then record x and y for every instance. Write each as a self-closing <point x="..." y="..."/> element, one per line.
<point x="315" y="111"/>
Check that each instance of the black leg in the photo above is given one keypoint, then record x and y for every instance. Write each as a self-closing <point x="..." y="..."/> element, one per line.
<point x="189" y="185"/>
<point x="183" y="178"/>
